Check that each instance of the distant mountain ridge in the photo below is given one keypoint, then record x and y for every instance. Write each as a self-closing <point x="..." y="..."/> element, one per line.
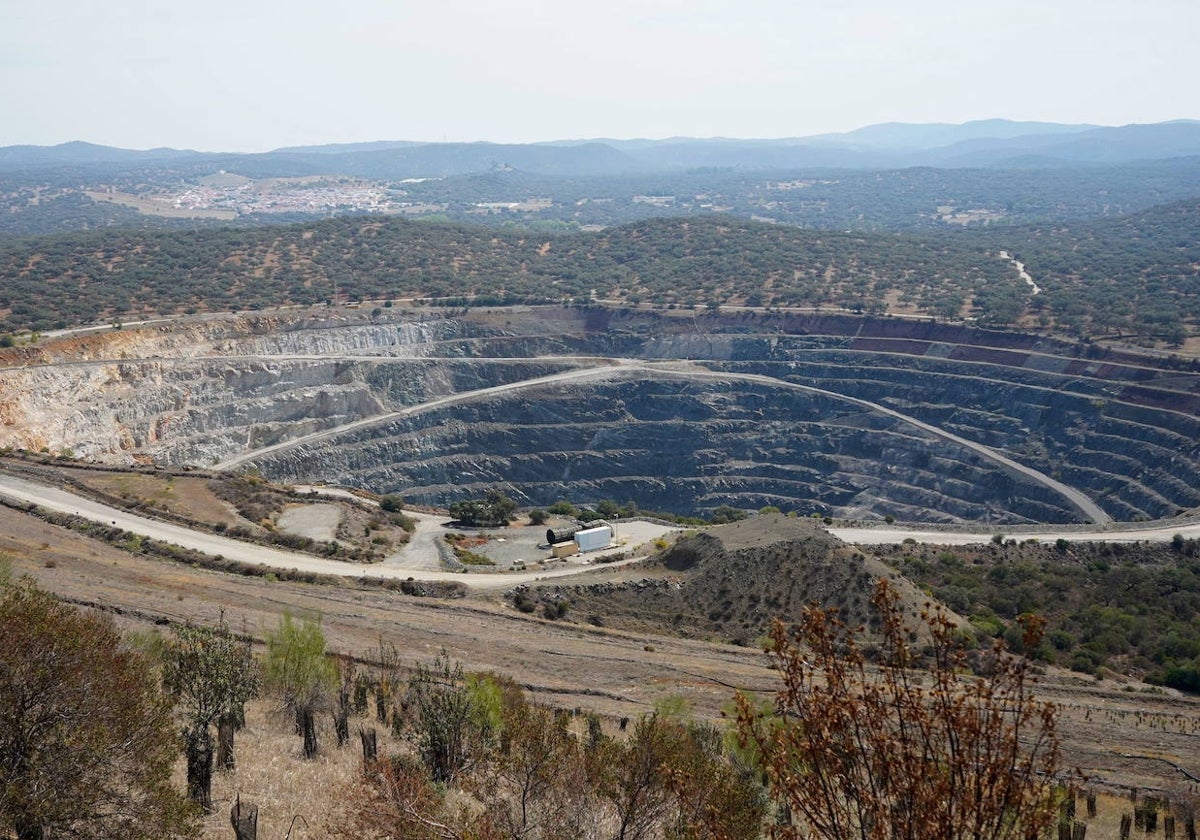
<point x="915" y="136"/>
<point x="78" y="152"/>
<point x="981" y="143"/>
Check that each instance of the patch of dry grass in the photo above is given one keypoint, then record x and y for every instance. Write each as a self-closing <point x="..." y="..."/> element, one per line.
<point x="183" y="496"/>
<point x="272" y="773"/>
<point x="1106" y="825"/>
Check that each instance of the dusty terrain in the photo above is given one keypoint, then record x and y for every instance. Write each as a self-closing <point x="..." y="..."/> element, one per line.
<point x="1009" y="433"/>
<point x="1120" y="734"/>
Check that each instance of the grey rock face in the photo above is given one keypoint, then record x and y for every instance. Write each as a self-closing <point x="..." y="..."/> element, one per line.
<point x="1124" y="430"/>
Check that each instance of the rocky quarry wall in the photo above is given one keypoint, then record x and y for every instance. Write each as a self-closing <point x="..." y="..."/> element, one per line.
<point x="1120" y="427"/>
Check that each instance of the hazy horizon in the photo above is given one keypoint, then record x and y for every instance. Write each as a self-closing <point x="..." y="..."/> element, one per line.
<point x="567" y="140"/>
<point x="261" y="75"/>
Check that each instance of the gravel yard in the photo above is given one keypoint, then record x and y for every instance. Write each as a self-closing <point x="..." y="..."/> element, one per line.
<point x="506" y="546"/>
<point x="318" y="522"/>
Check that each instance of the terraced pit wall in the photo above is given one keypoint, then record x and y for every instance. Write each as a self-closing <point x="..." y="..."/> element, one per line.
<point x="1118" y="425"/>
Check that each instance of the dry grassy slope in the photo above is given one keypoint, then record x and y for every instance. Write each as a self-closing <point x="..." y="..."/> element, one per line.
<point x="239" y="506"/>
<point x="1114" y="732"/>
<point x="731" y="581"/>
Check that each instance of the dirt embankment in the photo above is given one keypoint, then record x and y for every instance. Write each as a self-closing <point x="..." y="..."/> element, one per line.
<point x="731" y="582"/>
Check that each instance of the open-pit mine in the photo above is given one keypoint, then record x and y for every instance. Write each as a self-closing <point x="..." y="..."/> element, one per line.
<point x="849" y="418"/>
<point x="877" y="426"/>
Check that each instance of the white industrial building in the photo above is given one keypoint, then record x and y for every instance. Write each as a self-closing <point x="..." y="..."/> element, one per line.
<point x="594" y="539"/>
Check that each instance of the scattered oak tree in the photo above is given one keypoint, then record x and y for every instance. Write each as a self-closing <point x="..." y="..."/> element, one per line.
<point x="212" y="674"/>
<point x="86" y="735"/>
<point x="494" y="509"/>
<point x="391" y="503"/>
<point x="298" y="670"/>
<point x="894" y="751"/>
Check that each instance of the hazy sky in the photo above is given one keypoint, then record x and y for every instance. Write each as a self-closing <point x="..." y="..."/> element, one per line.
<point x="251" y="75"/>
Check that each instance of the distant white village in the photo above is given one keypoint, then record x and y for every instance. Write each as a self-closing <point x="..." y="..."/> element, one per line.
<point x="244" y="196"/>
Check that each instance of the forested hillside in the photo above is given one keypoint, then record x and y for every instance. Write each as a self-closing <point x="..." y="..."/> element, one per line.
<point x="1137" y="276"/>
<point x="80" y="278"/>
<point x="185" y="192"/>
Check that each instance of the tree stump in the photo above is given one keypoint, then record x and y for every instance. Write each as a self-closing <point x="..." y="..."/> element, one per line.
<point x="341" y="715"/>
<point x="370" y="746"/>
<point x="226" y="726"/>
<point x="244" y="819"/>
<point x="341" y="726"/>
<point x="199" y="749"/>
<point x="381" y="704"/>
<point x="309" y="725"/>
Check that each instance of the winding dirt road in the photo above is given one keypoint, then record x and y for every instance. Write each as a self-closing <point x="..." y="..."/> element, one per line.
<point x="420" y="561"/>
<point x="61" y="501"/>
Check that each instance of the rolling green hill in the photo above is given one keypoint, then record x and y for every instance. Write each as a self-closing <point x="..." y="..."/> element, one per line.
<point x="1137" y="276"/>
<point x="81" y="278"/>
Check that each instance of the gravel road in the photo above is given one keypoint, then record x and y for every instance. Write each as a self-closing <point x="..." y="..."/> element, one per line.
<point x="418" y="561"/>
<point x="61" y="501"/>
<point x="1154" y="532"/>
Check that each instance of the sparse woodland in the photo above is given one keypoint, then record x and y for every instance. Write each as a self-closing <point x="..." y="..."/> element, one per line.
<point x="1134" y="276"/>
<point x="908" y="735"/>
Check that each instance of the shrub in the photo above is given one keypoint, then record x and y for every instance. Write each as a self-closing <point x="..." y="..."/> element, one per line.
<point x="855" y="753"/>
<point x="1184" y="677"/>
<point x="87" y="741"/>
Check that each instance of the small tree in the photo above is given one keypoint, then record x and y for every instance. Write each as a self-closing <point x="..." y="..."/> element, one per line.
<point x="212" y="674"/>
<point x="494" y="509"/>
<point x="854" y="751"/>
<point x="396" y="798"/>
<point x="453" y="717"/>
<point x="86" y="736"/>
<point x="673" y="778"/>
<point x="630" y="779"/>
<point x="726" y="514"/>
<point x="533" y="785"/>
<point x="296" y="667"/>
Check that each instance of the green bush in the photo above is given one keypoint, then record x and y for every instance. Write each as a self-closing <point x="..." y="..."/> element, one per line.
<point x="1184" y="677"/>
<point x="563" y="508"/>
